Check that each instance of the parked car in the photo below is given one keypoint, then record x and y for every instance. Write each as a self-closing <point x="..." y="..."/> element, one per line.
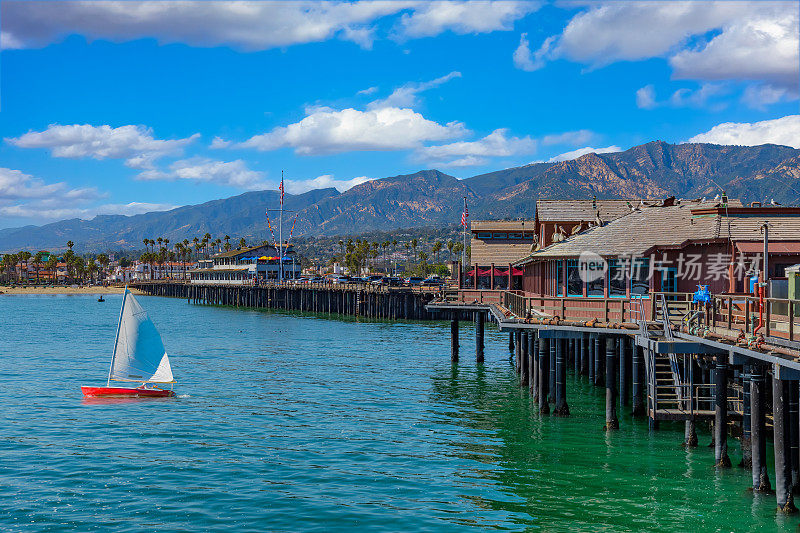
<point x="340" y="280"/>
<point x="301" y="281"/>
<point x="375" y="279"/>
<point x="392" y="281"/>
<point x="433" y="281"/>
<point x="414" y="280"/>
<point x="317" y="279"/>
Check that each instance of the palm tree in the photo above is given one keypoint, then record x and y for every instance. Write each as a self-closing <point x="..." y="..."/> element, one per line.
<point x="450" y="245"/>
<point x="414" y="243"/>
<point x="91" y="268"/>
<point x="103" y="260"/>
<point x="227" y="244"/>
<point x="436" y="247"/>
<point x="24" y="256"/>
<point x="70" y="244"/>
<point x="243" y="244"/>
<point x="37" y="263"/>
<point x="52" y="266"/>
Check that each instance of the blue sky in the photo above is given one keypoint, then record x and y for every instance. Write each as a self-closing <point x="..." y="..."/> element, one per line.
<point x="125" y="107"/>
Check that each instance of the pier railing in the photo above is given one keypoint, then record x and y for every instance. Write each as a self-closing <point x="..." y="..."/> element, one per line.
<point x="574" y="307"/>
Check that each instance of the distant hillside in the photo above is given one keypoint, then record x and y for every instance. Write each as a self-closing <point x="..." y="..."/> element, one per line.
<point x="430" y="198"/>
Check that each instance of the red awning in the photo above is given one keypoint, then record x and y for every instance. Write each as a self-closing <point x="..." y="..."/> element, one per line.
<point x="773" y="248"/>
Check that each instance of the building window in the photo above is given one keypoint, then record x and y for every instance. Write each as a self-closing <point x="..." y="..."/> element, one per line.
<point x="640" y="277"/>
<point x="616" y="279"/>
<point x="559" y="278"/>
<point x="483" y="235"/>
<point x="596" y="287"/>
<point x="499" y="235"/>
<point x="515" y="235"/>
<point x="574" y="281"/>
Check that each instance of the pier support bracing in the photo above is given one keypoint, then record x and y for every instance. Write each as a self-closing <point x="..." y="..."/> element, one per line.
<point x="523" y="360"/>
<point x="561" y="407"/>
<point x="454" y="339"/>
<point x="721" y="458"/>
<point x="544" y="374"/>
<point x="781" y="438"/>
<point x="758" y="437"/>
<point x="611" y="392"/>
<point x="480" y="318"/>
<point x="637" y="374"/>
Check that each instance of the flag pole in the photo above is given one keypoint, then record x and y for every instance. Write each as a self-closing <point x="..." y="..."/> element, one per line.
<point x="280" y="236"/>
<point x="464" y="244"/>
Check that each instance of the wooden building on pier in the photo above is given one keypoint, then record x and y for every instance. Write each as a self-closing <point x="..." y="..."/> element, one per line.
<point x="671" y="247"/>
<point x="247" y="266"/>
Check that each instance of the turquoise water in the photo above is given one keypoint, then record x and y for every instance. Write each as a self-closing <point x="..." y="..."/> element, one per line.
<point x="289" y="422"/>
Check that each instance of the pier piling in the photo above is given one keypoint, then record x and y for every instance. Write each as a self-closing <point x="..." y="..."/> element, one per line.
<point x="523" y="360"/>
<point x="551" y="372"/>
<point x="783" y="465"/>
<point x="584" y="354"/>
<point x="637" y="374"/>
<point x="721" y="415"/>
<point x="480" y="318"/>
<point x="532" y="347"/>
<point x="611" y="401"/>
<point x="758" y="436"/>
<point x="745" y="441"/>
<point x="544" y="375"/>
<point x="454" y="339"/>
<point x="561" y="407"/>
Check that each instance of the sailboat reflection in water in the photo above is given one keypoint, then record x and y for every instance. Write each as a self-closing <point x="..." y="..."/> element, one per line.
<point x="139" y="356"/>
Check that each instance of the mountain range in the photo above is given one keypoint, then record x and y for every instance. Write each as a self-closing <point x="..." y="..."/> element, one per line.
<point x="431" y="198"/>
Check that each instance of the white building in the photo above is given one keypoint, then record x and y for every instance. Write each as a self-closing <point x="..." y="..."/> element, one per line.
<point x="247" y="266"/>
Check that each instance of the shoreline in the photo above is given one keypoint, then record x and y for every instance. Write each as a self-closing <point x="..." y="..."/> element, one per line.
<point x="60" y="290"/>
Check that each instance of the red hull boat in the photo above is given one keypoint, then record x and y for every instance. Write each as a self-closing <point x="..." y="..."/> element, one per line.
<point x="126" y="392"/>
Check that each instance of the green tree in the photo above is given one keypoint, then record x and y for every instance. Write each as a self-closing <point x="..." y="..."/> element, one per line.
<point x="437" y="246"/>
<point x="52" y="266"/>
<point x="414" y="243"/>
<point x="37" y="263"/>
<point x="243" y="244"/>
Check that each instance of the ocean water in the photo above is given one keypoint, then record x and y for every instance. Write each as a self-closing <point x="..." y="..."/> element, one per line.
<point x="292" y="422"/>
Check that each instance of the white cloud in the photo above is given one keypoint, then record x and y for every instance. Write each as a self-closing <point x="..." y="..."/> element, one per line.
<point x="574" y="154"/>
<point x="50" y="213"/>
<point x="646" y="97"/>
<point x="323" y="182"/>
<point x="761" y="95"/>
<point x="477" y="16"/>
<point x="246" y="25"/>
<point x="529" y="61"/>
<point x="708" y="41"/>
<point x="231" y="173"/>
<point x="328" y="131"/>
<point x="406" y="96"/>
<point x="135" y="144"/>
<point x="496" y="144"/>
<point x="243" y="25"/>
<point x="368" y="91"/>
<point x="569" y="137"/>
<point x="784" y="130"/>
<point x="24" y="196"/>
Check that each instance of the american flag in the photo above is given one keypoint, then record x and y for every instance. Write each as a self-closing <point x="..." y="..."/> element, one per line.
<point x="465" y="214"/>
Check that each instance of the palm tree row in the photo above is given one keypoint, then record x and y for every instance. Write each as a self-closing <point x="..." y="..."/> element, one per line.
<point x="17" y="267"/>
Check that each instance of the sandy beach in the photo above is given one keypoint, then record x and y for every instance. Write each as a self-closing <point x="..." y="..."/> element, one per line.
<point x="61" y="289"/>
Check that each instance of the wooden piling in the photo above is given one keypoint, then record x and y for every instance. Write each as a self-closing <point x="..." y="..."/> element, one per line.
<point x="611" y="401"/>
<point x="637" y="375"/>
<point x="544" y="375"/>
<point x="454" y="339"/>
<point x="783" y="465"/>
<point x="758" y="438"/>
<point x="479" y="330"/>
<point x="721" y="458"/>
<point x="523" y="360"/>
<point x="561" y="407"/>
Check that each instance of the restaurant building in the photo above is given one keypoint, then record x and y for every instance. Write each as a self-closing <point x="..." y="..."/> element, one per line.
<point x="670" y="247"/>
<point x="247" y="266"/>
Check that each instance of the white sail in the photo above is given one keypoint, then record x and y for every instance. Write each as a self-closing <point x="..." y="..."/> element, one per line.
<point x="139" y="354"/>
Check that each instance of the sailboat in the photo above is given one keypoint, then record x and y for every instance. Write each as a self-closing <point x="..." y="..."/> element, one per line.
<point x="139" y="356"/>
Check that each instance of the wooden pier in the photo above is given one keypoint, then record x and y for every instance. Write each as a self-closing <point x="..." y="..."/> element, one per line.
<point x="662" y="358"/>
<point x="359" y="300"/>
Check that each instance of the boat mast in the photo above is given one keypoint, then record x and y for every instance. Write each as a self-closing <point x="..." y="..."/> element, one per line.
<point x="116" y="337"/>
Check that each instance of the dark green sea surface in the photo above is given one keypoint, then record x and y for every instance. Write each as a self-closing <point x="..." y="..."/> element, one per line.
<point x="290" y="422"/>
